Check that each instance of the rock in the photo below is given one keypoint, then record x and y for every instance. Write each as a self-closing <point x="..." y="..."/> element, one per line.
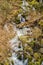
<point x="36" y="32"/>
<point x="36" y="56"/>
<point x="41" y="50"/>
<point x="41" y="43"/>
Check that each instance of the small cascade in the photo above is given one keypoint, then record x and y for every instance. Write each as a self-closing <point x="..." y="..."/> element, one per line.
<point x="15" y="41"/>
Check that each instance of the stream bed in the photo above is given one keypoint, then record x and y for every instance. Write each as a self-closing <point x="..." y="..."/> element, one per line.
<point x="21" y="34"/>
<point x="15" y="41"/>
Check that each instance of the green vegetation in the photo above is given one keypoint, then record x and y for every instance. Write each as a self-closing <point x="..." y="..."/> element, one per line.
<point x="18" y="13"/>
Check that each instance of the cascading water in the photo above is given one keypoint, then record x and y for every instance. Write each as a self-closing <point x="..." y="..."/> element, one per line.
<point x="15" y="41"/>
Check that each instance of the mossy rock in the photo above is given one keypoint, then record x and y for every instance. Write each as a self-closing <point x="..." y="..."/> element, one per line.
<point x="41" y="23"/>
<point x="28" y="49"/>
<point x="31" y="63"/>
<point x="24" y="39"/>
<point x="36" y="56"/>
<point x="31" y="43"/>
<point x="25" y="56"/>
<point x="37" y="63"/>
<point x="29" y="58"/>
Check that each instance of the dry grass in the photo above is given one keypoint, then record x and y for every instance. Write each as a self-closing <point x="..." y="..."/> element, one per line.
<point x="5" y="46"/>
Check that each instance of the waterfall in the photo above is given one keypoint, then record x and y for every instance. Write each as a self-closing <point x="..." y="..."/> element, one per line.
<point x="15" y="41"/>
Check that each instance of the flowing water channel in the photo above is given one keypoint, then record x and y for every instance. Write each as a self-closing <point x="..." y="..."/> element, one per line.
<point x="15" y="40"/>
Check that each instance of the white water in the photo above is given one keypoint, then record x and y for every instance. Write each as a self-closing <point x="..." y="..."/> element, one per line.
<point x="15" y="41"/>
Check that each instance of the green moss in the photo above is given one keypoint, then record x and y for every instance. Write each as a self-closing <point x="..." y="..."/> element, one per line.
<point x="37" y="63"/>
<point x="29" y="58"/>
<point x="36" y="56"/>
<point x="32" y="43"/>
<point x="19" y="56"/>
<point x="12" y="62"/>
<point x="41" y="23"/>
<point x="31" y="63"/>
